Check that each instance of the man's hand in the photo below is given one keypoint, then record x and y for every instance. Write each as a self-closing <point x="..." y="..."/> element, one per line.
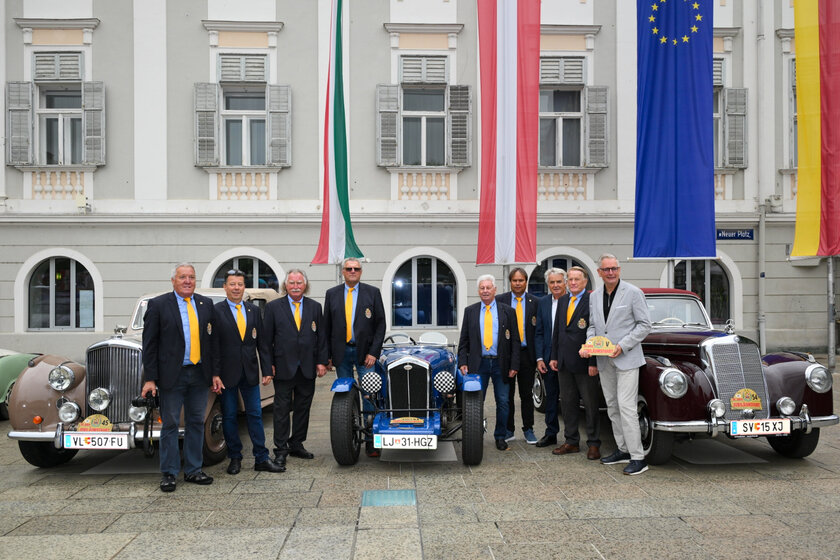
<point x="541" y="367"/>
<point x="369" y="360"/>
<point x="464" y="369"/>
<point x="593" y="371"/>
<point x="268" y="378"/>
<point x="512" y="373"/>
<point x="583" y="353"/>
<point x="320" y="370"/>
<point x="218" y="386"/>
<point x="617" y="352"/>
<point x="148" y="387"/>
<point x="553" y="365"/>
<point x="330" y="364"/>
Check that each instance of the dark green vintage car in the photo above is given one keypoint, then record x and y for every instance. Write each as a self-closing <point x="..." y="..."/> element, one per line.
<point x="11" y="364"/>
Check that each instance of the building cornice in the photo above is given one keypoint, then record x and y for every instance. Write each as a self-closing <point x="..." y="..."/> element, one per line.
<point x="50" y="23"/>
<point x="424" y="27"/>
<point x="553" y="29"/>
<point x="258" y="26"/>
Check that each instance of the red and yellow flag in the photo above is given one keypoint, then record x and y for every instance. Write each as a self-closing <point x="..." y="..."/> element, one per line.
<point x="817" y="27"/>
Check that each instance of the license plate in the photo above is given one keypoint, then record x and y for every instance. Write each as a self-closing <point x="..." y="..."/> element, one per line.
<point x="769" y="427"/>
<point x="388" y="441"/>
<point x="95" y="440"/>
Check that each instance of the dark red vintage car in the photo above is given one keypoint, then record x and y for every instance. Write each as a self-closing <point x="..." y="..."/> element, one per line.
<point x="702" y="382"/>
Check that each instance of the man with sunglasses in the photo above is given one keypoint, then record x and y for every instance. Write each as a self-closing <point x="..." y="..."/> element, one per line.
<point x="354" y="321"/>
<point x="618" y="311"/>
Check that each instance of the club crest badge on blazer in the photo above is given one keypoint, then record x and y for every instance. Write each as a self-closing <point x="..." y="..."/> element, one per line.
<point x="368" y="314"/>
<point x="209" y="328"/>
<point x="254" y="332"/>
<point x="507" y="334"/>
<point x="582" y="323"/>
<point x="534" y="321"/>
<point x="314" y="327"/>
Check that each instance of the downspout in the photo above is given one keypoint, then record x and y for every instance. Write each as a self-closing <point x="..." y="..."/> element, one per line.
<point x="762" y="244"/>
<point x="762" y="207"/>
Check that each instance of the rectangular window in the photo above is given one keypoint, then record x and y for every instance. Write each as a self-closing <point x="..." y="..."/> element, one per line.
<point x="60" y="125"/>
<point x="718" y="128"/>
<point x="244" y="126"/>
<point x="424" y="126"/>
<point x="561" y="138"/>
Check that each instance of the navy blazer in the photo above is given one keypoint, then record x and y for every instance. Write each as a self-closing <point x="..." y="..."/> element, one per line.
<point x="163" y="339"/>
<point x="234" y="358"/>
<point x="530" y="314"/>
<point x="569" y="338"/>
<point x="542" y="335"/>
<point x="368" y="324"/>
<point x="286" y="347"/>
<point x="470" y="343"/>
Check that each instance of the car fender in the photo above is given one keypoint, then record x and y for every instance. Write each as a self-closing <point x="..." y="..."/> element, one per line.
<point x="343" y="384"/>
<point x="785" y="375"/>
<point x="32" y="395"/>
<point x="10" y="368"/>
<point x="469" y="382"/>
<point x="691" y="406"/>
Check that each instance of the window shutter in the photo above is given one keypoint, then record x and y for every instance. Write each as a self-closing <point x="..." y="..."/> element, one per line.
<point x="206" y="124"/>
<point x="735" y="127"/>
<point x="93" y="109"/>
<point x="58" y="66"/>
<point x="387" y="125"/>
<point x="19" y="126"/>
<point x="424" y="69"/>
<point x="717" y="72"/>
<point x="459" y="127"/>
<point x="596" y="102"/>
<point x="280" y="125"/>
<point x="242" y="68"/>
<point x="562" y="70"/>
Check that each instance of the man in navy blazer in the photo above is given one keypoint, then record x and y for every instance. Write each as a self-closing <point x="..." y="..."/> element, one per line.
<point x="296" y="342"/>
<point x="576" y="383"/>
<point x="494" y="355"/>
<point x="236" y="371"/>
<point x="555" y="279"/>
<point x="360" y="343"/>
<point x="177" y="366"/>
<point x="518" y="297"/>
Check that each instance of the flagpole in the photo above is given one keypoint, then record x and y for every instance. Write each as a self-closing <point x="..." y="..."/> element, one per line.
<point x="832" y="325"/>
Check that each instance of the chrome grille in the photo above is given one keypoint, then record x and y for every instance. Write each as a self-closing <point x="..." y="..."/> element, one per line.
<point x="116" y="367"/>
<point x="408" y="389"/>
<point x="736" y="364"/>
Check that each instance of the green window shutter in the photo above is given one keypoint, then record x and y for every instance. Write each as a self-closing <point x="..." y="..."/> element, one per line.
<point x="387" y="125"/>
<point x="279" y="125"/>
<point x="93" y="111"/>
<point x="735" y="127"/>
<point x="597" y="126"/>
<point x="206" y="103"/>
<point x="459" y="127"/>
<point x="19" y="123"/>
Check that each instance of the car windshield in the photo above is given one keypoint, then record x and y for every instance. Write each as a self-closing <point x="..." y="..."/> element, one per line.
<point x="137" y="320"/>
<point x="666" y="311"/>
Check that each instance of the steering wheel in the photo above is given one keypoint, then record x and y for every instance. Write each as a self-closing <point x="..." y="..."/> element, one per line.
<point x="398" y="338"/>
<point x="675" y="320"/>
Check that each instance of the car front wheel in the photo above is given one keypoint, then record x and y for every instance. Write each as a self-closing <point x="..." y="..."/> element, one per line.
<point x="656" y="444"/>
<point x="472" y="428"/>
<point x="215" y="447"/>
<point x="345" y="427"/>
<point x="44" y="454"/>
<point x="796" y="445"/>
<point x="538" y="392"/>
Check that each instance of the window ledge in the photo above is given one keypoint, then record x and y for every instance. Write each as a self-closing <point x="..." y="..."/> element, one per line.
<point x="727" y="170"/>
<point x="789" y="171"/>
<point x="242" y="168"/>
<point x="424" y="169"/>
<point x="562" y="169"/>
<point x="54" y="168"/>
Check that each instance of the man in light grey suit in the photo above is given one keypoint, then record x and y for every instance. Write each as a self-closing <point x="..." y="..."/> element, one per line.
<point x="618" y="311"/>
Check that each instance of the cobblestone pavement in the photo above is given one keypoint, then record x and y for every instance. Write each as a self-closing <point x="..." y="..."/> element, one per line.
<point x="714" y="499"/>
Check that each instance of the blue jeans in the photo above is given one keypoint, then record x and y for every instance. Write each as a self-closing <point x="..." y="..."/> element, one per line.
<point x="253" y="415"/>
<point x="488" y="370"/>
<point x="189" y="393"/>
<point x="351" y="357"/>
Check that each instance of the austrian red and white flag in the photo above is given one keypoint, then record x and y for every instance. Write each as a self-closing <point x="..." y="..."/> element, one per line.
<point x="509" y="65"/>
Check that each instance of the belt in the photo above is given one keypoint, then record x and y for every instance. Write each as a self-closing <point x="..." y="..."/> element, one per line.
<point x="351" y="344"/>
<point x="190" y="366"/>
<point x="489" y="357"/>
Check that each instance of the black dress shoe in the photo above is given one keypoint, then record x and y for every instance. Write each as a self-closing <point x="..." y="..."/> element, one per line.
<point x="545" y="441"/>
<point x="280" y="459"/>
<point x="167" y="483"/>
<point x="269" y="466"/>
<point x="300" y="452"/>
<point x="501" y="445"/>
<point x="235" y="466"/>
<point x="198" y="477"/>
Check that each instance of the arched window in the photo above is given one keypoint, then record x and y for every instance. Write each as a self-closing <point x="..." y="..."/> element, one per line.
<point x="424" y="293"/>
<point x="707" y="279"/>
<point x="257" y="273"/>
<point x="61" y="296"/>
<point x="536" y="282"/>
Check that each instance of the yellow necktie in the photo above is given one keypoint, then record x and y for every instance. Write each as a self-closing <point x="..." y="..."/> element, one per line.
<point x="488" y="328"/>
<point x="240" y="321"/>
<point x="519" y="320"/>
<point x="570" y="310"/>
<point x="348" y="313"/>
<point x="297" y="314"/>
<point x="195" y="343"/>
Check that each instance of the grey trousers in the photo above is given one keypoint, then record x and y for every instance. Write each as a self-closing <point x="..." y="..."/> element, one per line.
<point x="621" y="389"/>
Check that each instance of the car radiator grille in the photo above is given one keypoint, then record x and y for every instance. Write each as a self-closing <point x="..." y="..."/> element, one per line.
<point x="118" y="370"/>
<point x="737" y="365"/>
<point x="408" y="388"/>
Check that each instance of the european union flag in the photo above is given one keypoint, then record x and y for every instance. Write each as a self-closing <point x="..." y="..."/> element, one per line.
<point x="675" y="205"/>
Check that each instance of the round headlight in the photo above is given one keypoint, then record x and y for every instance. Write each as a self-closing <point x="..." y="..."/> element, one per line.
<point x="69" y="412"/>
<point x="61" y="377"/>
<point x="717" y="408"/>
<point x="99" y="399"/>
<point x="371" y="382"/>
<point x="444" y="382"/>
<point x="786" y="406"/>
<point x="137" y="413"/>
<point x="673" y="383"/>
<point x="818" y="378"/>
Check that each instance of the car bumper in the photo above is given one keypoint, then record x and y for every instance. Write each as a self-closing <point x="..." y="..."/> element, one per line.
<point x="715" y="426"/>
<point x="135" y="435"/>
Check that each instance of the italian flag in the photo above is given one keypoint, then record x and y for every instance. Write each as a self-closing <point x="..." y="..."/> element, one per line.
<point x="509" y="64"/>
<point x="817" y="33"/>
<point x="337" y="241"/>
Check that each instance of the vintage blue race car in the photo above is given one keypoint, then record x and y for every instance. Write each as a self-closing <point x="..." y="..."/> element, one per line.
<point x="417" y="397"/>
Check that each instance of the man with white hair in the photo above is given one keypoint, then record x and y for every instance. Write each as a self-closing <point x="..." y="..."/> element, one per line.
<point x="555" y="279"/>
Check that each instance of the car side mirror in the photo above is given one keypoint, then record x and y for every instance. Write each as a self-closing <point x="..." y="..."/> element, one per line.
<point x="730" y="326"/>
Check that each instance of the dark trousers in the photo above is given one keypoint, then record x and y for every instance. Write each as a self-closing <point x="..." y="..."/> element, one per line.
<point x="575" y="387"/>
<point x="489" y="371"/>
<point x="525" y="380"/>
<point x="552" y="393"/>
<point x="253" y="415"/>
<point x="292" y="397"/>
<point x="189" y="393"/>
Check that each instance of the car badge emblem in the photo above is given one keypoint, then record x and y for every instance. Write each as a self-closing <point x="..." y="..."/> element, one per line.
<point x="407" y="420"/>
<point x="582" y="324"/>
<point x="408" y="367"/>
<point x="368" y="314"/>
<point x="95" y="423"/>
<point x="314" y="326"/>
<point x="745" y="399"/>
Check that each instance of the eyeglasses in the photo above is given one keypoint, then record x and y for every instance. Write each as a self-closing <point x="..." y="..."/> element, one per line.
<point x="610" y="269"/>
<point x="353" y="268"/>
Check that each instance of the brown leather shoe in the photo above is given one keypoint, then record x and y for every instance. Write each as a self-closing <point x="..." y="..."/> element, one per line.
<point x="565" y="449"/>
<point x="593" y="454"/>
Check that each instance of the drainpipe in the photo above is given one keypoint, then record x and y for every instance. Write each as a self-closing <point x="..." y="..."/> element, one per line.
<point x="762" y="207"/>
<point x="832" y="325"/>
<point x="762" y="219"/>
